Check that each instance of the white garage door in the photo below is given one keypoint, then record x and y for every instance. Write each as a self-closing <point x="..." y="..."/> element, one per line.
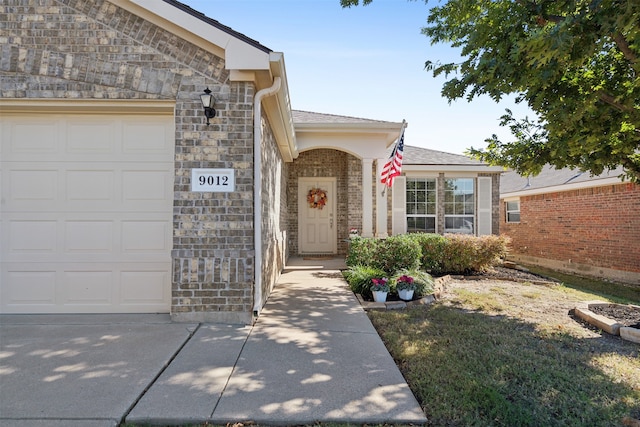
<point x="86" y="213"/>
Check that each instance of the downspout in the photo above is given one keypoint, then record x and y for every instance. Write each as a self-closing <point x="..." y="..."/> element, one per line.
<point x="257" y="190"/>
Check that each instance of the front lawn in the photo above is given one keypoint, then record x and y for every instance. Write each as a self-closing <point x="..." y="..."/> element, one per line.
<point x="495" y="353"/>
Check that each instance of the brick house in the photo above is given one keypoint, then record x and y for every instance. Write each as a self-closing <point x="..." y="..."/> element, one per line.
<point x="570" y="221"/>
<point x="117" y="197"/>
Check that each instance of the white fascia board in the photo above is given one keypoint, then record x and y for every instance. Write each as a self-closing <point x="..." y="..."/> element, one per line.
<point x="564" y="187"/>
<point x="238" y="53"/>
<point x="363" y="146"/>
<point x="280" y="104"/>
<point x="452" y="168"/>
<point x="390" y="131"/>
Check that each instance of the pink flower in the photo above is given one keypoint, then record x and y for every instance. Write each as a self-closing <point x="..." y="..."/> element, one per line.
<point x="380" y="285"/>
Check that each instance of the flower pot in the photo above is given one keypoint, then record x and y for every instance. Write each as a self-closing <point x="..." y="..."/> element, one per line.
<point x="379" y="296"/>
<point x="405" y="294"/>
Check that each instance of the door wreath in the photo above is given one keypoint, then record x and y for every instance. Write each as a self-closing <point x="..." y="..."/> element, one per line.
<point x="317" y="198"/>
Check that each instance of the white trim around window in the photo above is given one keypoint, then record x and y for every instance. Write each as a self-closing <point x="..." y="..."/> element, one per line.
<point x="460" y="205"/>
<point x="512" y="211"/>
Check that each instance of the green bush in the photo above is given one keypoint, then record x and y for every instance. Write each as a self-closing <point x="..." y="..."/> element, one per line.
<point x="359" y="278"/>
<point x="432" y="246"/>
<point x="423" y="281"/>
<point x="397" y="253"/>
<point x="433" y="253"/>
<point x="464" y="254"/>
<point x="390" y="254"/>
<point x="361" y="250"/>
<point x="491" y="249"/>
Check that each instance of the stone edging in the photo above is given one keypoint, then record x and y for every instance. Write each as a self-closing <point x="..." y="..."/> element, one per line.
<point x="608" y="325"/>
<point x="438" y="287"/>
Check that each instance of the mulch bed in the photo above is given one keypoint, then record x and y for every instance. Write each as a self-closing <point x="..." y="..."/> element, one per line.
<point x="624" y="314"/>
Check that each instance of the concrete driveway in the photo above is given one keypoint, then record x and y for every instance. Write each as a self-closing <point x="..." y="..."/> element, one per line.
<point x="312" y="356"/>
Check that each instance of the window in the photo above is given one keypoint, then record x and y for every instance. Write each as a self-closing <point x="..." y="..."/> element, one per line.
<point x="421" y="205"/>
<point x="459" y="206"/>
<point x="512" y="209"/>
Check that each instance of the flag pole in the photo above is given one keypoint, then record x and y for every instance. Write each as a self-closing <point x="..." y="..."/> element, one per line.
<point x="393" y="152"/>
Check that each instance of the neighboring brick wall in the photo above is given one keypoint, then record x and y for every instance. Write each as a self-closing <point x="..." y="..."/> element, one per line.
<point x="348" y="172"/>
<point x="91" y="49"/>
<point x="595" y="231"/>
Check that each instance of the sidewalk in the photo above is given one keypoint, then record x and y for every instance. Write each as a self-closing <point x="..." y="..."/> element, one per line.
<point x="312" y="356"/>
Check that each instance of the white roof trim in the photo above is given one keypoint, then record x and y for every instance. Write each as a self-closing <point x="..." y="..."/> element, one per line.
<point x="238" y="53"/>
<point x="564" y="187"/>
<point x="452" y="168"/>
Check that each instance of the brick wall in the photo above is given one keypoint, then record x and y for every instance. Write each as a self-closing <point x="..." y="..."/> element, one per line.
<point x="91" y="49"/>
<point x="594" y="231"/>
<point x="274" y="211"/>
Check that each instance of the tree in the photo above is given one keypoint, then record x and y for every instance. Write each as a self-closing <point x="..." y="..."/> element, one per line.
<point x="574" y="62"/>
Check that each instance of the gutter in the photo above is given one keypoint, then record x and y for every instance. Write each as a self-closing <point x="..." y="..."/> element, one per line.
<point x="257" y="190"/>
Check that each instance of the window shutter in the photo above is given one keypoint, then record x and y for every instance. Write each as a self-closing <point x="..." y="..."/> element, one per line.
<point x="484" y="205"/>
<point x="399" y="206"/>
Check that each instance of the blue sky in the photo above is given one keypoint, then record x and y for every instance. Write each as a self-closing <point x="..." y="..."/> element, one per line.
<point x="365" y="62"/>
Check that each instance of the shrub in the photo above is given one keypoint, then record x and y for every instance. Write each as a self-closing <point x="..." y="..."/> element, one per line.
<point x="433" y="253"/>
<point x="361" y="250"/>
<point x="491" y="249"/>
<point x="423" y="282"/>
<point x="359" y="278"/>
<point x="432" y="246"/>
<point x="465" y="254"/>
<point x="458" y="254"/>
<point x="397" y="253"/>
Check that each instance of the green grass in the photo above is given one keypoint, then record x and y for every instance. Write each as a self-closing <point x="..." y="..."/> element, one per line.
<point x="486" y="359"/>
<point x="617" y="292"/>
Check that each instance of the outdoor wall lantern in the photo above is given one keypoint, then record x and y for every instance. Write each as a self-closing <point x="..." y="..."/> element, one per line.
<point x="207" y="102"/>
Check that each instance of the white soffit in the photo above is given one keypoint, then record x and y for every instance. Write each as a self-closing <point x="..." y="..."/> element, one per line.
<point x="238" y="54"/>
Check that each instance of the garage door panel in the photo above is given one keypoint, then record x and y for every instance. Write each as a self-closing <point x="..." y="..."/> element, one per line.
<point x="27" y="139"/>
<point x="85" y="288"/>
<point x="147" y="185"/>
<point x="93" y="138"/>
<point x="22" y="286"/>
<point x="58" y="137"/>
<point x="89" y="236"/>
<point x="86" y="223"/>
<point x="146" y="137"/>
<point x="32" y="236"/>
<point x="146" y="237"/>
<point x="145" y="288"/>
<point x="33" y="185"/>
<point x="89" y="185"/>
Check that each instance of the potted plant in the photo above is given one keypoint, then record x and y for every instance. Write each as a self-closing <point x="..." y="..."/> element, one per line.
<point x="406" y="286"/>
<point x="379" y="289"/>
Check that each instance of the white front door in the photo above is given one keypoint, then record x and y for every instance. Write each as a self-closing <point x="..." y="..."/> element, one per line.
<point x="317" y="215"/>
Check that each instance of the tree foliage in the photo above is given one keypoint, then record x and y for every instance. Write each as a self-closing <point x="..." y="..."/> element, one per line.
<point x="574" y="62"/>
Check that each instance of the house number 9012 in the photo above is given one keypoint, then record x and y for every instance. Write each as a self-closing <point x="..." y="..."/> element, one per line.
<point x="212" y="180"/>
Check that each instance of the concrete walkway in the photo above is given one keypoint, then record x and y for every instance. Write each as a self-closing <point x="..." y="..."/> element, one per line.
<point x="312" y="356"/>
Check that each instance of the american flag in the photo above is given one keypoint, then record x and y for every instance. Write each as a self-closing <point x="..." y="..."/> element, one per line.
<point x="393" y="166"/>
